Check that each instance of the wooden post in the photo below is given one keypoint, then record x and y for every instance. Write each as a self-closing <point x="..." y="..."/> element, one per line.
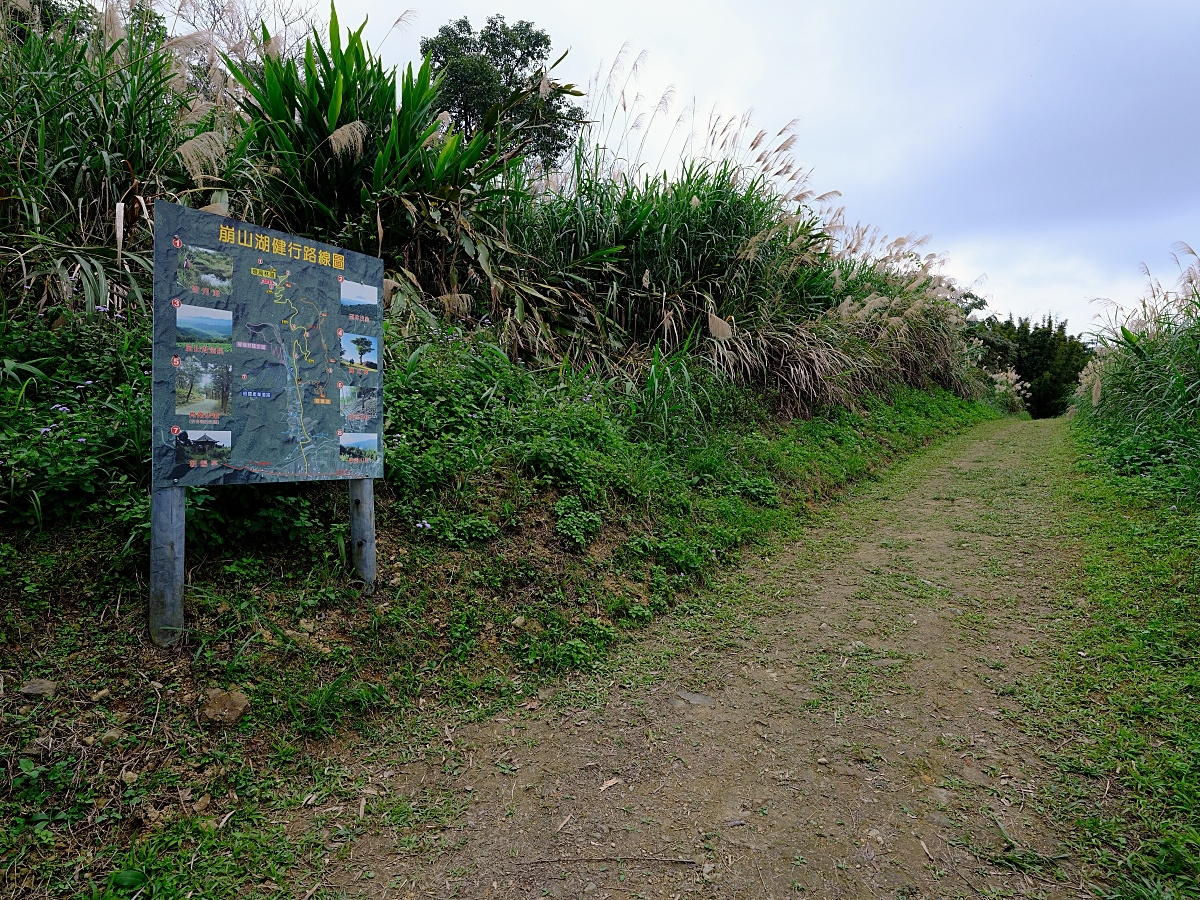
<point x="167" y="513"/>
<point x="362" y="528"/>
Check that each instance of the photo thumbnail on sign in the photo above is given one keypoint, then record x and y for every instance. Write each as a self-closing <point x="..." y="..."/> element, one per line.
<point x="203" y="449"/>
<point x="199" y="329"/>
<point x="360" y="352"/>
<point x="359" y="447"/>
<point x="203" y="387"/>
<point x="203" y="271"/>
<point x="361" y="299"/>
<point x="359" y="404"/>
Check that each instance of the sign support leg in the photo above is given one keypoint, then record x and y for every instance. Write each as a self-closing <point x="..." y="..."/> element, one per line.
<point x="362" y="527"/>
<point x="167" y="513"/>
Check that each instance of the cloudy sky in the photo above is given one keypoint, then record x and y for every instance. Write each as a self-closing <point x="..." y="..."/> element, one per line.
<point x="1047" y="147"/>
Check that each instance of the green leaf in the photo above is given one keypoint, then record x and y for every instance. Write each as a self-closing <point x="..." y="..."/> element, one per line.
<point x="128" y="879"/>
<point x="335" y="102"/>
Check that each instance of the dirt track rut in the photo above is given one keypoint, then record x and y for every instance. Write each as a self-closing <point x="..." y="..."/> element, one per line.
<point x="842" y="720"/>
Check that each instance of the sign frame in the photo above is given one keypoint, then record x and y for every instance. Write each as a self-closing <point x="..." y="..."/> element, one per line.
<point x="256" y="380"/>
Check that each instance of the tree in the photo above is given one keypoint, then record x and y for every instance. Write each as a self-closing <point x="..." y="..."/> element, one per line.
<point x="364" y="346"/>
<point x="1044" y="355"/>
<point x="223" y="387"/>
<point x="189" y="374"/>
<point x="481" y="69"/>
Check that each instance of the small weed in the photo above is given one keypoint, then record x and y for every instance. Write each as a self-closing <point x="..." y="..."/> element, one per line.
<point x="575" y="523"/>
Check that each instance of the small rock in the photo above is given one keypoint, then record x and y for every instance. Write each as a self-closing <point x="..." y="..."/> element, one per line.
<point x="940" y="795"/>
<point x="102" y="694"/>
<point x="129" y="777"/>
<point x="822" y="761"/>
<point x="224" y="707"/>
<point x="519" y="622"/>
<point x="308" y="625"/>
<point x="892" y="881"/>
<point x="825" y="628"/>
<point x="202" y="804"/>
<point x="591" y="886"/>
<point x="38" y="689"/>
<point x="975" y="775"/>
<point x="697" y="699"/>
<point x="112" y="736"/>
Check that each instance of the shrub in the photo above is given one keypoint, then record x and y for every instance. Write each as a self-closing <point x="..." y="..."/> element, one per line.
<point x="1139" y="399"/>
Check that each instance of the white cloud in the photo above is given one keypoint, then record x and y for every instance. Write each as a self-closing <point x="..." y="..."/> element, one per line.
<point x="1035" y="275"/>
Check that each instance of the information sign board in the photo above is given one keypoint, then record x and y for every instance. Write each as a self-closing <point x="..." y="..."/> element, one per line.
<point x="268" y="355"/>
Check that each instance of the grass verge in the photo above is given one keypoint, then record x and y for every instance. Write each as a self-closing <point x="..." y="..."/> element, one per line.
<point x="1120" y="698"/>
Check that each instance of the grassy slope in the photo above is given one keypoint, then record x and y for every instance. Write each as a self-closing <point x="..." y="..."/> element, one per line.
<point x="473" y="611"/>
<point x="1120" y="699"/>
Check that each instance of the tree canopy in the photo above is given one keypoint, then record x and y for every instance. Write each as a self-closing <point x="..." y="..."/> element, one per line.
<point x="482" y="68"/>
<point x="1047" y="358"/>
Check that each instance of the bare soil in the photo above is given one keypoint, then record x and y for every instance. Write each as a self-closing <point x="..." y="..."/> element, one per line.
<point x="839" y="718"/>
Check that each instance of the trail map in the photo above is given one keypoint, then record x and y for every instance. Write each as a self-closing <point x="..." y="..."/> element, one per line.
<point x="268" y="355"/>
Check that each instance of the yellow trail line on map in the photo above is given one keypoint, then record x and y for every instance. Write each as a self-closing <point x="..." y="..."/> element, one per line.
<point x="307" y="356"/>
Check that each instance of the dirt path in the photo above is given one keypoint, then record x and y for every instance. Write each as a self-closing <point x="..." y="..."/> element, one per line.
<point x="838" y="722"/>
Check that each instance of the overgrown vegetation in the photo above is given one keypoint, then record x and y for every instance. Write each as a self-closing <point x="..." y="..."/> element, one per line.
<point x="1139" y="399"/>
<point x="1043" y="357"/>
<point x="1129" y="683"/>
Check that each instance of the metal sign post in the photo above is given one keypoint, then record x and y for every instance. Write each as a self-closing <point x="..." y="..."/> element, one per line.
<point x="362" y="528"/>
<point x="167" y="510"/>
<point x="268" y="366"/>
